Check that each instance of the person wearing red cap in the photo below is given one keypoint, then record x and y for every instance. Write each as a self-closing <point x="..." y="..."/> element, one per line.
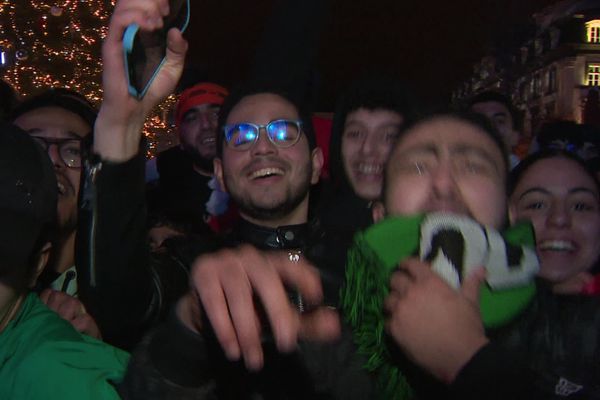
<point x="196" y="118"/>
<point x="185" y="171"/>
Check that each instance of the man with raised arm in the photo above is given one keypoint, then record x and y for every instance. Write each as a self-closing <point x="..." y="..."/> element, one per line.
<point x="268" y="177"/>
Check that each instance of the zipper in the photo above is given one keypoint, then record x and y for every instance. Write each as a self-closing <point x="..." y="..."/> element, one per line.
<point x="90" y="202"/>
<point x="69" y="276"/>
<point x="297" y="299"/>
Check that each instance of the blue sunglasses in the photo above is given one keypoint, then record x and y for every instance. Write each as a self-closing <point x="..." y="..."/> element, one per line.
<point x="281" y="132"/>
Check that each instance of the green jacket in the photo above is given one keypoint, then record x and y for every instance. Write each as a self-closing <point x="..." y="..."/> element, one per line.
<point x="43" y="357"/>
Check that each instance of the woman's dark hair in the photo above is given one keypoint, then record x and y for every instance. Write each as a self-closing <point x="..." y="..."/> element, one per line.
<point x="519" y="171"/>
<point x="371" y="93"/>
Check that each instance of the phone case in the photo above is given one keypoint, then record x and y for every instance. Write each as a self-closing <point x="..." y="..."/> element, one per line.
<point x="129" y="38"/>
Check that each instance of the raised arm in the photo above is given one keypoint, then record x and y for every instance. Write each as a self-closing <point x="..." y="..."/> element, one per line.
<point x="115" y="280"/>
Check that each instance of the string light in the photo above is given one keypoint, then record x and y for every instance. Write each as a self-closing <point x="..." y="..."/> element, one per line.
<point x="57" y="43"/>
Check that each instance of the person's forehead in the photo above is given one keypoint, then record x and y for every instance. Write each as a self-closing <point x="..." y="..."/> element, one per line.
<point x="262" y="108"/>
<point x="55" y="121"/>
<point x="443" y="132"/>
<point x="556" y="174"/>
<point x="203" y="107"/>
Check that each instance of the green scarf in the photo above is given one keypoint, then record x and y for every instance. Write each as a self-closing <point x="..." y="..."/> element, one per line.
<point x="372" y="259"/>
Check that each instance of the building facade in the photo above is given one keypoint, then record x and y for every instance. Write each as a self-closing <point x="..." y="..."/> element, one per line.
<point x="553" y="73"/>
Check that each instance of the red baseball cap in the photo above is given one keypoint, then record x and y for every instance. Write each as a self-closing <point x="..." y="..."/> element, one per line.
<point x="202" y="93"/>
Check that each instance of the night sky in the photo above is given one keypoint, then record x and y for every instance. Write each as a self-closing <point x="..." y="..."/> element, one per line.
<point x="430" y="45"/>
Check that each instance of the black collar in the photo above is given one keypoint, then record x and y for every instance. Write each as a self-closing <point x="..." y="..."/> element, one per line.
<point x="283" y="237"/>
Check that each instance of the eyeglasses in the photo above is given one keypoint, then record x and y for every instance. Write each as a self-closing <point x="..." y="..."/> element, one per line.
<point x="282" y="133"/>
<point x="68" y="149"/>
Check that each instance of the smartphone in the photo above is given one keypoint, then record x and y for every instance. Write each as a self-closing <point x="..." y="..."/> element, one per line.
<point x="144" y="52"/>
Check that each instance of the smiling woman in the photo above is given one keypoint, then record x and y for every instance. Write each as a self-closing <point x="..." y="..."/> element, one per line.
<point x="561" y="197"/>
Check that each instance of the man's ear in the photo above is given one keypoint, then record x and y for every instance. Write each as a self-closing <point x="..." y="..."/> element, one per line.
<point x="218" y="171"/>
<point x="41" y="262"/>
<point x="317" y="165"/>
<point x="378" y="210"/>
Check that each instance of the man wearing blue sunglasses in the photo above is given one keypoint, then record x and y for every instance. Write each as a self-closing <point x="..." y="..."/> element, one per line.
<point x="267" y="160"/>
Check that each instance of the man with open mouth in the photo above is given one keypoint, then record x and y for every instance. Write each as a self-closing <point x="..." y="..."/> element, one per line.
<point x="60" y="120"/>
<point x="185" y="171"/>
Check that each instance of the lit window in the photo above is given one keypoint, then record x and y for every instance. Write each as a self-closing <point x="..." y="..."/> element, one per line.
<point x="593" y="31"/>
<point x="593" y="75"/>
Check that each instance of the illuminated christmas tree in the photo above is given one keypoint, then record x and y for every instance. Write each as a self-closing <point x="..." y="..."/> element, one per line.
<point x="57" y="43"/>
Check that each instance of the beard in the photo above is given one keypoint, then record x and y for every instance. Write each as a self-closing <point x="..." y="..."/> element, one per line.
<point x="66" y="213"/>
<point x="201" y="162"/>
<point x="294" y="195"/>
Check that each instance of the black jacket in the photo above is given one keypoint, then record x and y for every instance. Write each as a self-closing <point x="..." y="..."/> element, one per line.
<point x="116" y="282"/>
<point x="558" y="337"/>
<point x="182" y="193"/>
<point x="174" y="362"/>
<point x="127" y="289"/>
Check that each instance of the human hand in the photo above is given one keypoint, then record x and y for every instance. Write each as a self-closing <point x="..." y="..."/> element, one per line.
<point x="228" y="285"/>
<point x="121" y="117"/>
<point x="437" y="326"/>
<point x="71" y="310"/>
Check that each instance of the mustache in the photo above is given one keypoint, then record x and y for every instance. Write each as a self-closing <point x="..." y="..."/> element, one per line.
<point x="262" y="161"/>
<point x="205" y="133"/>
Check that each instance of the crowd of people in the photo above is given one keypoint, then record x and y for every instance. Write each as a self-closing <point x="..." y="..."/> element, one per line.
<point x="433" y="259"/>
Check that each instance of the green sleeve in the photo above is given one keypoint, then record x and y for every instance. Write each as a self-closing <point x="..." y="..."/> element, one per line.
<point x="66" y="370"/>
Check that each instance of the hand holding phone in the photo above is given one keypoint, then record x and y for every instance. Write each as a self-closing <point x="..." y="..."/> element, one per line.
<point x="145" y="51"/>
<point x="121" y="116"/>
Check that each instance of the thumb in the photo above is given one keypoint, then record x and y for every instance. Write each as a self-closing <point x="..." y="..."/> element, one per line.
<point x="170" y="71"/>
<point x="176" y="48"/>
<point x="471" y="285"/>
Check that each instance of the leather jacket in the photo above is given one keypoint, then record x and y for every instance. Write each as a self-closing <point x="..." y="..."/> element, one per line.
<point x="127" y="289"/>
<point x="559" y="338"/>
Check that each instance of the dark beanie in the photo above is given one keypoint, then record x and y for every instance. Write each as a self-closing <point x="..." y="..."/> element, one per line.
<point x="58" y="97"/>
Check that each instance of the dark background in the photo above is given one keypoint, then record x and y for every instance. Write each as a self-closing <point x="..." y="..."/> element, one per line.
<point x="430" y="45"/>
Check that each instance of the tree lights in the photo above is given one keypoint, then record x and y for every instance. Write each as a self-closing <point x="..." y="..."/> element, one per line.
<point x="57" y="43"/>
